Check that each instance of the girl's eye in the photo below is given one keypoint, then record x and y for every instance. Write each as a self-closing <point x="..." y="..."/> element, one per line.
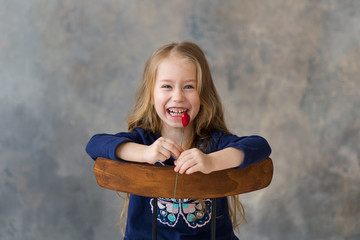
<point x="189" y="87"/>
<point x="165" y="86"/>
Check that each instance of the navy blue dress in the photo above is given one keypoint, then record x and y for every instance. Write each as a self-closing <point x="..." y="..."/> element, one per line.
<point x="176" y="217"/>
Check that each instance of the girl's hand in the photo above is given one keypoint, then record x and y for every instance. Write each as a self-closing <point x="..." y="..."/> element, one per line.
<point x="161" y="150"/>
<point x="194" y="160"/>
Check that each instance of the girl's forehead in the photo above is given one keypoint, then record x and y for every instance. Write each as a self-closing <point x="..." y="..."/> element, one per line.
<point x="176" y="66"/>
<point x="175" y="59"/>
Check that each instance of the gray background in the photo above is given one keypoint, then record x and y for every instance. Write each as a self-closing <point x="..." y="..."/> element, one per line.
<point x="287" y="70"/>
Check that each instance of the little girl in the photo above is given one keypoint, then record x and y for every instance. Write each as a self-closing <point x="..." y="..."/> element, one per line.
<point x="177" y="79"/>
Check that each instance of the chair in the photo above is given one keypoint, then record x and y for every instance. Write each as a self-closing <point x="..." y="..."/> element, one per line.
<point x="148" y="180"/>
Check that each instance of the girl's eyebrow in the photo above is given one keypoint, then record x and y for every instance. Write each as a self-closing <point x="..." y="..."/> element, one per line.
<point x="169" y="80"/>
<point x="165" y="80"/>
<point x="190" y="80"/>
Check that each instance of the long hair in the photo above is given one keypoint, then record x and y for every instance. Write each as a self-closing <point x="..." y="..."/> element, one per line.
<point x="210" y="116"/>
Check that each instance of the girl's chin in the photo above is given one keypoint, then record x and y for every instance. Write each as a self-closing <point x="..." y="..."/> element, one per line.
<point x="174" y="122"/>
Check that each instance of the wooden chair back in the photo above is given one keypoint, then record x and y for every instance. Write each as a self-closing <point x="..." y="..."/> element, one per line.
<point x="159" y="181"/>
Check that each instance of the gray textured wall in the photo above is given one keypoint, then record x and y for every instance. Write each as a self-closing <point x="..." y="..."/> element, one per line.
<point x="288" y="70"/>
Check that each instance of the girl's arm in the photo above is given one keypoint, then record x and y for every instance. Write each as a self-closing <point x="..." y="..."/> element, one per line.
<point x="104" y="145"/>
<point x="232" y="152"/>
<point x="193" y="160"/>
<point x="133" y="146"/>
<point x="161" y="150"/>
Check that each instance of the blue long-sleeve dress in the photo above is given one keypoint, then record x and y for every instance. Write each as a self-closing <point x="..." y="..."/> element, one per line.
<point x="176" y="217"/>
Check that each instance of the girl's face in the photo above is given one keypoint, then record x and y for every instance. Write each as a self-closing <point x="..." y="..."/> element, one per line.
<point x="175" y="91"/>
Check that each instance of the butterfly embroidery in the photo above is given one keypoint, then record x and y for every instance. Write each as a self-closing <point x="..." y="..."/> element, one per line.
<point x="170" y="210"/>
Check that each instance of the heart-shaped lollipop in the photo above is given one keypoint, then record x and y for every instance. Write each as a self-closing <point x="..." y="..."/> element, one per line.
<point x="185" y="118"/>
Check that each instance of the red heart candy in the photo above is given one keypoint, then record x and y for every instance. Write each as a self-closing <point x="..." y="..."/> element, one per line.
<point x="185" y="118"/>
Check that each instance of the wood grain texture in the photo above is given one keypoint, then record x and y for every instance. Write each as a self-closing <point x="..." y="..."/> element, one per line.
<point x="159" y="181"/>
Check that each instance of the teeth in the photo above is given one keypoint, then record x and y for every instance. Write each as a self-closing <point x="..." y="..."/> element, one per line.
<point x="176" y="111"/>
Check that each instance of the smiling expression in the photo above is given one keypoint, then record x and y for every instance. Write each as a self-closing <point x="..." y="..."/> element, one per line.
<point x="175" y="91"/>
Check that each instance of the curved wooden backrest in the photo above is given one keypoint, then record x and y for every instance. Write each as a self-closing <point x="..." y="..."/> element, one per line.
<point x="159" y="181"/>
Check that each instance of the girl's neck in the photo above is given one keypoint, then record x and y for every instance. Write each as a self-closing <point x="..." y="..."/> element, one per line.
<point x="175" y="134"/>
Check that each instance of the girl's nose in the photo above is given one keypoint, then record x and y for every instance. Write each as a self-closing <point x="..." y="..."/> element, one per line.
<point x="178" y="95"/>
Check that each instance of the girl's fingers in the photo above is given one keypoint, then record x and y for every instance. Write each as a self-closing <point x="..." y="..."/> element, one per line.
<point x="163" y="149"/>
<point x="184" y="162"/>
<point x="165" y="153"/>
<point x="187" y="166"/>
<point x="156" y="152"/>
<point x="174" y="149"/>
<point x="158" y="156"/>
<point x="191" y="161"/>
<point x="193" y="169"/>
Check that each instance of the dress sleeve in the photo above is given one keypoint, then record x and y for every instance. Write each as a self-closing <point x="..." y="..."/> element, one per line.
<point x="255" y="148"/>
<point x="104" y="145"/>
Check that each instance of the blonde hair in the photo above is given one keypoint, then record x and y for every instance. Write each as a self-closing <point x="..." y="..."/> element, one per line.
<point x="209" y="118"/>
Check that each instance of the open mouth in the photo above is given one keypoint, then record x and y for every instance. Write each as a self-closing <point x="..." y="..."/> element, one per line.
<point x="176" y="112"/>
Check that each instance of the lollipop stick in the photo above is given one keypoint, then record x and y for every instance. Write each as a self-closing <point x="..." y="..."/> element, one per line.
<point x="185" y="118"/>
<point x="177" y="174"/>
